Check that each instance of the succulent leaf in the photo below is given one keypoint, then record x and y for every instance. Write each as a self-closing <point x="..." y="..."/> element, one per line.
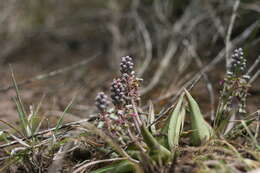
<point x="202" y="131"/>
<point x="155" y="149"/>
<point x="176" y="124"/>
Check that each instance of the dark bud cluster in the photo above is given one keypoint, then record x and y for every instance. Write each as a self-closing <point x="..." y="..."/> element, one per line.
<point x="130" y="81"/>
<point x="117" y="92"/>
<point x="125" y="88"/>
<point x="126" y="65"/>
<point x="102" y="101"/>
<point x="238" y="63"/>
<point x="124" y="93"/>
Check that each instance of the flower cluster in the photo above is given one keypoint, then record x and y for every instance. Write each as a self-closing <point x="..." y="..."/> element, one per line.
<point x="126" y="65"/>
<point x="130" y="81"/>
<point x="102" y="102"/>
<point x="124" y="90"/>
<point x="238" y="64"/>
<point x="234" y="92"/>
<point x="235" y="88"/>
<point x="118" y="92"/>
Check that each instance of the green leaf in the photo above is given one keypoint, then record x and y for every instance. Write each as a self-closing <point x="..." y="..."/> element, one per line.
<point x="156" y="150"/>
<point x="176" y="124"/>
<point x="3" y="136"/>
<point x="35" y="121"/>
<point x="59" y="123"/>
<point x="253" y="138"/>
<point x="163" y="138"/>
<point x="104" y="170"/>
<point x="124" y="167"/>
<point x="222" y="118"/>
<point x="120" y="167"/>
<point x="238" y="129"/>
<point x="20" y="107"/>
<point x="201" y="130"/>
<point x="133" y="151"/>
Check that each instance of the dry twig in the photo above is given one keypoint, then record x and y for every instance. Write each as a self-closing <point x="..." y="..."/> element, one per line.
<point x="194" y="54"/>
<point x="230" y="28"/>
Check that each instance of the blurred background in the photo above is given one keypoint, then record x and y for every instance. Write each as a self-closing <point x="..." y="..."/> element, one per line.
<point x="76" y="46"/>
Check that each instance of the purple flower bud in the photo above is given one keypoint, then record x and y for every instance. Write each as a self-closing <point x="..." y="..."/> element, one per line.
<point x="102" y="101"/>
<point x="126" y="65"/>
<point x="117" y="92"/>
